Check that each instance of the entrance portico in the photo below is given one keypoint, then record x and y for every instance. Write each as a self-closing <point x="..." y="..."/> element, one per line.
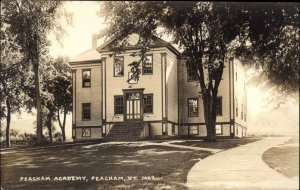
<point x="133" y="104"/>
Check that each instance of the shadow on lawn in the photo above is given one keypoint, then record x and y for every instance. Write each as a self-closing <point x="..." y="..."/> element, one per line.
<point x="169" y="166"/>
<point x="224" y="143"/>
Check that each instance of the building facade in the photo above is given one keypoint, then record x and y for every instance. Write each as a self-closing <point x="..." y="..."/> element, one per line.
<point x="164" y="102"/>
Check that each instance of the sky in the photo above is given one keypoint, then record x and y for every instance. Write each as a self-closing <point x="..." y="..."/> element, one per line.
<point x="261" y="118"/>
<point x="78" y="37"/>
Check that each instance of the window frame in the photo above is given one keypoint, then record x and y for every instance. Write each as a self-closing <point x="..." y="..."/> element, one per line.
<point x="164" y="129"/>
<point x="219" y="106"/>
<point x="115" y="105"/>
<point x="173" y="129"/>
<point x="143" y="67"/>
<point x="114" y="73"/>
<point x="84" y="70"/>
<point x="144" y="105"/>
<point x="90" y="132"/>
<point x="83" y="111"/>
<point x="131" y="81"/>
<point x="190" y="129"/>
<point x="221" y="129"/>
<point x="242" y="111"/>
<point x="188" y="104"/>
<point x="189" y="78"/>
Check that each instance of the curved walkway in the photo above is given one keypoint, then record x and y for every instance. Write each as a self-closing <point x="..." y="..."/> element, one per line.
<point x="240" y="168"/>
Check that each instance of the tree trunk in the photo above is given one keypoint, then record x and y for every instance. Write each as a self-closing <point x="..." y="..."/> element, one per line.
<point x="50" y="127"/>
<point x="39" y="127"/>
<point x="209" y="104"/>
<point x="50" y="135"/>
<point x="62" y="126"/>
<point x="8" y="118"/>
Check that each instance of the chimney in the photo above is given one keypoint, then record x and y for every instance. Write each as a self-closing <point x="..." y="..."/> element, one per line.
<point x="94" y="41"/>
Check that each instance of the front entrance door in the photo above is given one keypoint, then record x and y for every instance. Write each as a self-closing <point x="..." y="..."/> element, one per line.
<point x="133" y="106"/>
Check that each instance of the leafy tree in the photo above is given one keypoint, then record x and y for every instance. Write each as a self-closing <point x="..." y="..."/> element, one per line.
<point x="12" y="75"/>
<point x="30" y="23"/>
<point x="60" y="87"/>
<point x="56" y="93"/>
<point x="210" y="33"/>
<point x="271" y="43"/>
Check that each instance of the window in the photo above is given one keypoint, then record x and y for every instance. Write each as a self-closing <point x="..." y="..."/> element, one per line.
<point x="192" y="75"/>
<point x="219" y="105"/>
<point x="193" y="107"/>
<point x="242" y="109"/>
<point x="104" y="129"/>
<point x="86" y="78"/>
<point x="119" y="106"/>
<point x="193" y="130"/>
<point x="148" y="103"/>
<point x="218" y="129"/>
<point x="86" y="132"/>
<point x="173" y="129"/>
<point x="73" y="133"/>
<point x="86" y="111"/>
<point x="148" y="65"/>
<point x="119" y="66"/>
<point x="164" y="129"/>
<point x="236" y="108"/>
<point x="132" y="80"/>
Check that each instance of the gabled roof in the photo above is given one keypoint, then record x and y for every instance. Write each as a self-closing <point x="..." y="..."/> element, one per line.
<point x="89" y="56"/>
<point x="94" y="55"/>
<point x="156" y="42"/>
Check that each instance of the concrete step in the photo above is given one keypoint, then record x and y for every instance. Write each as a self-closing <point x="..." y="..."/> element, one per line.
<point x="125" y="132"/>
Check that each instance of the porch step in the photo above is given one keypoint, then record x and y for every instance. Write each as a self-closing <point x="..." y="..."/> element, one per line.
<point x="125" y="132"/>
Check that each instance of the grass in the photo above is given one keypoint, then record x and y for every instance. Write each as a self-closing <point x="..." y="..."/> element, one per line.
<point x="220" y="144"/>
<point x="168" y="165"/>
<point x="284" y="158"/>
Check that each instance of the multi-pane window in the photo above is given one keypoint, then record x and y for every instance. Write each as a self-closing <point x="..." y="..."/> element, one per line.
<point x="148" y="103"/>
<point x="218" y="129"/>
<point x="193" y="130"/>
<point x="119" y="106"/>
<point x="119" y="66"/>
<point x="193" y="107"/>
<point x="219" y="106"/>
<point x="86" y="132"/>
<point x="148" y="65"/>
<point x="86" y="78"/>
<point x="86" y="111"/>
<point x="192" y="75"/>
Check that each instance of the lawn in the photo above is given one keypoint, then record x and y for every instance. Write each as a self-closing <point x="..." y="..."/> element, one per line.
<point x="284" y="158"/>
<point x="153" y="166"/>
<point x="222" y="143"/>
<point x="104" y="166"/>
